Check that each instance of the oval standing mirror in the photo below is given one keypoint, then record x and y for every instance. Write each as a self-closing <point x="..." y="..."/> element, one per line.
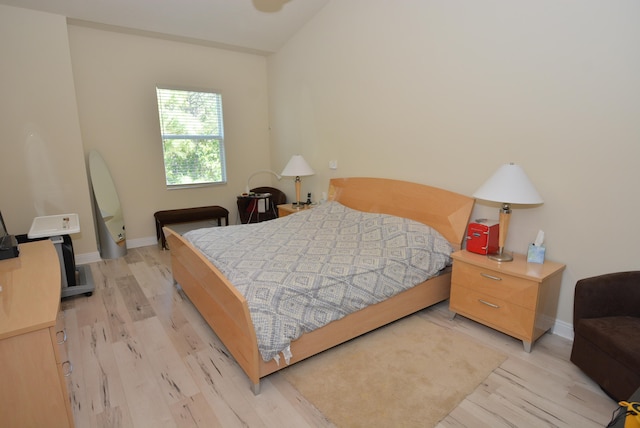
<point x="110" y="221"/>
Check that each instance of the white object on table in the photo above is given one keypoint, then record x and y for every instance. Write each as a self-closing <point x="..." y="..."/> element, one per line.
<point x="54" y="225"/>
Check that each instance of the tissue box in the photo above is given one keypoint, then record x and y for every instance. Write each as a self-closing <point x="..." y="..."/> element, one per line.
<point x="535" y="254"/>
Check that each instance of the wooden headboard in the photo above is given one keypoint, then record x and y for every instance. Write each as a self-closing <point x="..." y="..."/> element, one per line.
<point x="447" y="212"/>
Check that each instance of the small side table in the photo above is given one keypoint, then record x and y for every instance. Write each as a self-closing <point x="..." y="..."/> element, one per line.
<point x="287" y="209"/>
<point x="517" y="298"/>
<point x="256" y="207"/>
<point x="188" y="215"/>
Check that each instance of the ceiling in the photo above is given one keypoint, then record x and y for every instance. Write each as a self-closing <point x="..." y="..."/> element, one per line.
<point x="262" y="26"/>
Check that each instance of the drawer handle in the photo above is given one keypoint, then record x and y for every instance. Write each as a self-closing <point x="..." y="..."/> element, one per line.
<point x="64" y="336"/>
<point x="69" y="368"/>
<point x="493" y="305"/>
<point x="495" y="278"/>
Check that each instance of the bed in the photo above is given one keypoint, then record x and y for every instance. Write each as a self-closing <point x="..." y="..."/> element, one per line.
<point x="226" y="310"/>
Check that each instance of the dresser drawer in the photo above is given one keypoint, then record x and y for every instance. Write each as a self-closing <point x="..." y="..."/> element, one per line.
<point x="59" y="339"/>
<point x="496" y="284"/>
<point x="507" y="317"/>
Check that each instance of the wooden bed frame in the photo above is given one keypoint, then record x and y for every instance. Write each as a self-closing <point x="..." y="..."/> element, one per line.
<point x="227" y="311"/>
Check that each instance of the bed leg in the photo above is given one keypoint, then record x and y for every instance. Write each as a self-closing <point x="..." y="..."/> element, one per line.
<point x="255" y="387"/>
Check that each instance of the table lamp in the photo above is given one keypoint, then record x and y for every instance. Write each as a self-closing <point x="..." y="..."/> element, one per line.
<point x="508" y="185"/>
<point x="297" y="167"/>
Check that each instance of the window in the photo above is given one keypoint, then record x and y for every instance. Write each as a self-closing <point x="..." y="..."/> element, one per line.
<point x="192" y="137"/>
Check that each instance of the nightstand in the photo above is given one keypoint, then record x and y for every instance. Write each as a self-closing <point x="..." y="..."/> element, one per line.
<point x="286" y="209"/>
<point x="516" y="298"/>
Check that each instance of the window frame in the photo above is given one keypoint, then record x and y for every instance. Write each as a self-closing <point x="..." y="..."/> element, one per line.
<point x="219" y="137"/>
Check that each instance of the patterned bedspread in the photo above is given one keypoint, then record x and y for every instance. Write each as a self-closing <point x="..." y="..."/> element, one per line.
<point x="303" y="271"/>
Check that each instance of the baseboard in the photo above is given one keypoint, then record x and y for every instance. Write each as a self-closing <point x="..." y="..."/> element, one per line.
<point x="563" y="329"/>
<point x="85" y="258"/>
<point x="142" y="242"/>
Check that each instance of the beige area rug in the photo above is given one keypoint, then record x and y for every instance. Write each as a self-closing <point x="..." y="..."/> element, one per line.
<point x="411" y="373"/>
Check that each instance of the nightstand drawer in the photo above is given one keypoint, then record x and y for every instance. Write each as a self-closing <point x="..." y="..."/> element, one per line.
<point x="494" y="312"/>
<point x="496" y="284"/>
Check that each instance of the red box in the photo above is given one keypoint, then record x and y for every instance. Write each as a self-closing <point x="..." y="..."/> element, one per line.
<point x="482" y="236"/>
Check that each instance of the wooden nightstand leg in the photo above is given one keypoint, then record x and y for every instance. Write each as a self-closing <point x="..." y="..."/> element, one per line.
<point x="452" y="315"/>
<point x="527" y="346"/>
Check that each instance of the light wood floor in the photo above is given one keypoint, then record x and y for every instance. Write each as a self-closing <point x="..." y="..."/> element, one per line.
<point x="143" y="357"/>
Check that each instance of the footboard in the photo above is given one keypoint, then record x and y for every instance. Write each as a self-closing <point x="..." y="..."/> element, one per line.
<point x="219" y="303"/>
<point x="421" y="296"/>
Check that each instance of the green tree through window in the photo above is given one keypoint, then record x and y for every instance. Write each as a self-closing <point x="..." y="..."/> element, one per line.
<point x="192" y="136"/>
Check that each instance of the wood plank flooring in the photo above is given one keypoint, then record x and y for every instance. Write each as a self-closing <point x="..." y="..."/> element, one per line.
<point x="143" y="357"/>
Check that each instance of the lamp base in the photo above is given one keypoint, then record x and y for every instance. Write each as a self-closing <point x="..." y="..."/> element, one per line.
<point x="501" y="256"/>
<point x="297" y="205"/>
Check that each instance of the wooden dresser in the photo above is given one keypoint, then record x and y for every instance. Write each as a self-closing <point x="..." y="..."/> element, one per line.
<point x="33" y="390"/>
<point x="517" y="298"/>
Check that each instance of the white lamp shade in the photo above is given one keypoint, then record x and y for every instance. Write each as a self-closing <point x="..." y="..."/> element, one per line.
<point x="297" y="167"/>
<point x="510" y="185"/>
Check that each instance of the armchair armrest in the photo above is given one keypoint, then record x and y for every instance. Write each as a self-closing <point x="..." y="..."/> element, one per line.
<point x="613" y="294"/>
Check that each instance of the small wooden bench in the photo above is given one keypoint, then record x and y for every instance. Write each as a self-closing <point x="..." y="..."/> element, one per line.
<point x="188" y="215"/>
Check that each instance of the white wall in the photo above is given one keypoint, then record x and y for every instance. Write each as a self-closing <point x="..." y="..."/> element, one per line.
<point x="436" y="92"/>
<point x="115" y="79"/>
<point x="69" y="89"/>
<point x="443" y="92"/>
<point x="42" y="168"/>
